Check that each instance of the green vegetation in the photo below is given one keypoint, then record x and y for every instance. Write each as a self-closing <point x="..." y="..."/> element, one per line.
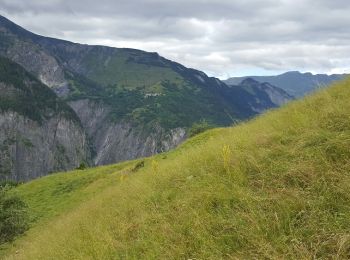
<point x="13" y="214"/>
<point x="23" y="93"/>
<point x="177" y="104"/>
<point x="146" y="90"/>
<point x="124" y="69"/>
<point x="82" y="166"/>
<point x="199" y="127"/>
<point x="276" y="187"/>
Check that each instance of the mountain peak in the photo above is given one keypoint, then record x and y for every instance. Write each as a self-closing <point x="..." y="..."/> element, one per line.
<point x="14" y="28"/>
<point x="293" y="72"/>
<point x="249" y="81"/>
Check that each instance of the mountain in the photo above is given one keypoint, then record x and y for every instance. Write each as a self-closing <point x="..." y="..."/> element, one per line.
<point x="39" y="133"/>
<point x="130" y="103"/>
<point x="276" y="187"/>
<point x="295" y="83"/>
<point x="270" y="96"/>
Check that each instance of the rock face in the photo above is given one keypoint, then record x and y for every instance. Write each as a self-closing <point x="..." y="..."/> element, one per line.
<point x="274" y="95"/>
<point x="29" y="150"/>
<point x="38" y="62"/>
<point x="39" y="134"/>
<point x="120" y="141"/>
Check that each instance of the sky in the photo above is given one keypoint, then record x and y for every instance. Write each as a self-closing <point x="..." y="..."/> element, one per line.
<point x="223" y="38"/>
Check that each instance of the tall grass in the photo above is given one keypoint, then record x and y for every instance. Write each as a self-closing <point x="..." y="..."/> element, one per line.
<point x="276" y="187"/>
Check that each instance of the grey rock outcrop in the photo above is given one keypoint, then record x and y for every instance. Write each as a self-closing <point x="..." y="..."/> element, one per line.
<point x="120" y="141"/>
<point x="276" y="95"/>
<point x="38" y="62"/>
<point x="29" y="150"/>
<point x="39" y="133"/>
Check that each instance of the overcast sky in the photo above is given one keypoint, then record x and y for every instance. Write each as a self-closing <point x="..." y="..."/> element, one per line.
<point x="221" y="37"/>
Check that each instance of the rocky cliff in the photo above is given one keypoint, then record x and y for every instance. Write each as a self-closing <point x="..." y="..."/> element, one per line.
<point x="30" y="150"/>
<point x="273" y="96"/>
<point x="120" y="141"/>
<point x="39" y="134"/>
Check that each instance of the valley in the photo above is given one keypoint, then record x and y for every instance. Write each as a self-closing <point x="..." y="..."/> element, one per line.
<point x="130" y="103"/>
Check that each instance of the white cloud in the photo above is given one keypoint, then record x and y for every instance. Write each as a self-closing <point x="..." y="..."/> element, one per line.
<point x="220" y="37"/>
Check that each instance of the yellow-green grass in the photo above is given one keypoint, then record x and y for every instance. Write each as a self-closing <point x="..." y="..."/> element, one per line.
<point x="276" y="187"/>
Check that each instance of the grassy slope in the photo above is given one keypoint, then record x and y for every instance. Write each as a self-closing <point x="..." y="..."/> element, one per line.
<point x="116" y="69"/>
<point x="275" y="187"/>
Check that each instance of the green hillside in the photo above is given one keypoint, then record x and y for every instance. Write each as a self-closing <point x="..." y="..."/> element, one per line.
<point x="137" y="87"/>
<point x="148" y="90"/>
<point x="276" y="187"/>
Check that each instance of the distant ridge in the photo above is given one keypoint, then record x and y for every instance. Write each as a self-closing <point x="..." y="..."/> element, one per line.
<point x="295" y="83"/>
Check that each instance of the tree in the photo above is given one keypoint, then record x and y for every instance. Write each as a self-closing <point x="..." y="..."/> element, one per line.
<point x="199" y="127"/>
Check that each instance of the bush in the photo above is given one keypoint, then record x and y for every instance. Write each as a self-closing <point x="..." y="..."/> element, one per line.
<point x="8" y="184"/>
<point x="13" y="216"/>
<point x="82" y="166"/>
<point x="199" y="127"/>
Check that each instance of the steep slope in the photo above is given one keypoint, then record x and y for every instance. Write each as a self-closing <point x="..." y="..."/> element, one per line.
<point x="38" y="133"/>
<point x="275" y="187"/>
<point x="295" y="83"/>
<point x="147" y="102"/>
<point x="267" y="94"/>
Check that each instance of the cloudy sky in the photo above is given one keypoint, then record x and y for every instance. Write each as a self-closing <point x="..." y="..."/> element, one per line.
<point x="221" y="37"/>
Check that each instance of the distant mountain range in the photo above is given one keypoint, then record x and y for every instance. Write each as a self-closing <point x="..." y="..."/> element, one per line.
<point x="124" y="103"/>
<point x="295" y="83"/>
<point x="277" y="96"/>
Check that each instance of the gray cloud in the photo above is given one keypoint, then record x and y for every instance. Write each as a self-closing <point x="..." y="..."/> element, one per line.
<point x="220" y="37"/>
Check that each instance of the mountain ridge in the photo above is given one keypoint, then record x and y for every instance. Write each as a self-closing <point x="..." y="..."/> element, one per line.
<point x="147" y="102"/>
<point x="295" y="83"/>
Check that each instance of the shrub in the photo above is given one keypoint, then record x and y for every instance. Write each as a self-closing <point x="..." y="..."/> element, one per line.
<point x="82" y="166"/>
<point x="138" y="166"/>
<point x="13" y="215"/>
<point x="8" y="184"/>
<point x="199" y="127"/>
